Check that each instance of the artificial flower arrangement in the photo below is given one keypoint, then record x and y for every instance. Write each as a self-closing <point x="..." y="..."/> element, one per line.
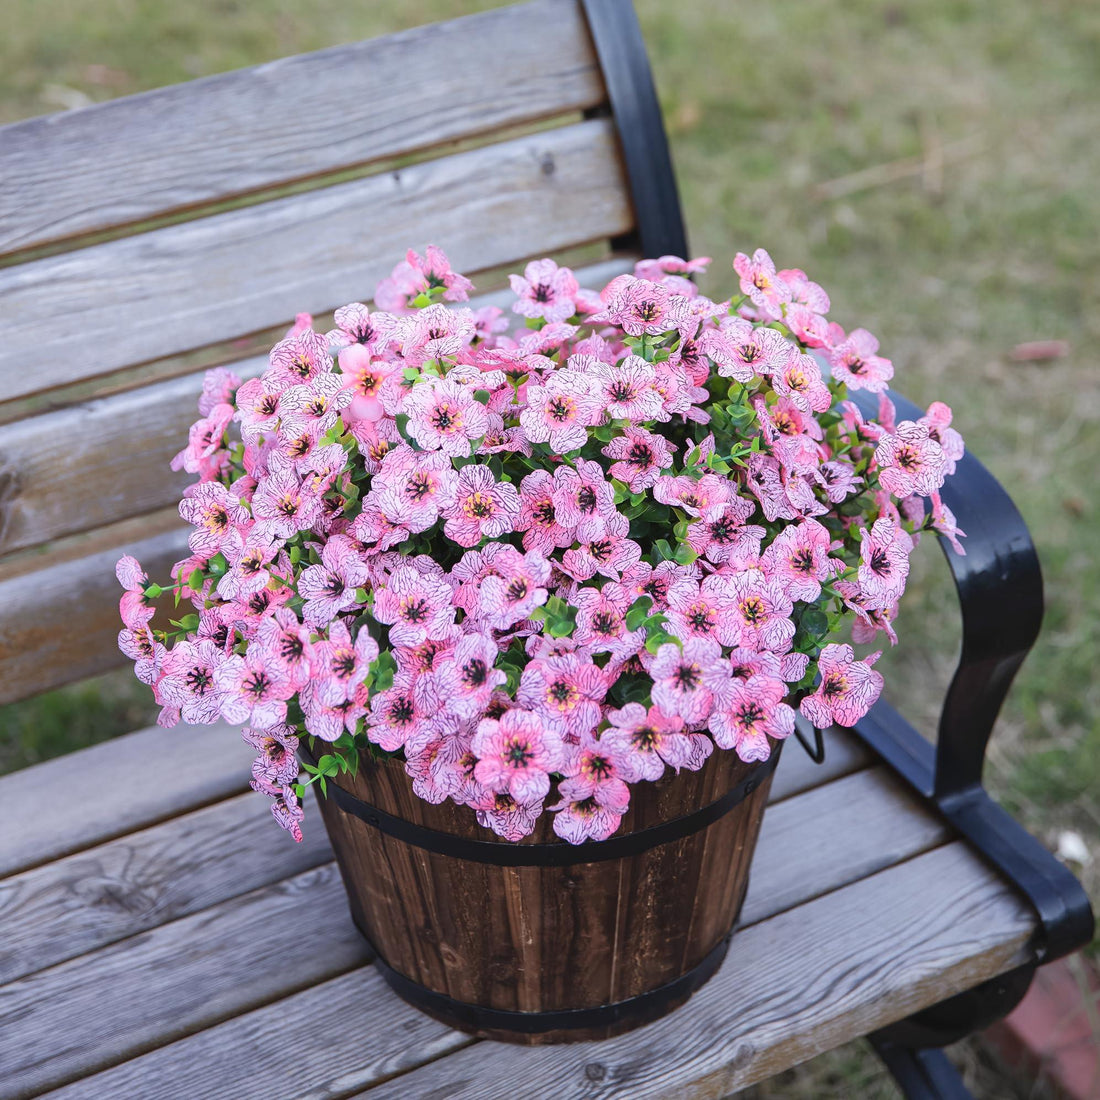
<point x="541" y="566"/>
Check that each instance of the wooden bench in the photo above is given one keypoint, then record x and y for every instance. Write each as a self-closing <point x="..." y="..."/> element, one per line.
<point x="146" y="955"/>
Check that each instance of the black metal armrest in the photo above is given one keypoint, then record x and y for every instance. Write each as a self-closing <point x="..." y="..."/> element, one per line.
<point x="1000" y="590"/>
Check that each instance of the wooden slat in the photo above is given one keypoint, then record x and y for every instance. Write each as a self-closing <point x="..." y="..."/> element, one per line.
<point x="794" y="986"/>
<point x="844" y="753"/>
<point x="87" y="797"/>
<point x="71" y="906"/>
<point x="183" y="286"/>
<point x="287" y="120"/>
<point x="61" y="623"/>
<point x="100" y="895"/>
<point x="342" y="1035"/>
<point x="80" y="1041"/>
<point x="114" y="462"/>
<point x="112" y="1004"/>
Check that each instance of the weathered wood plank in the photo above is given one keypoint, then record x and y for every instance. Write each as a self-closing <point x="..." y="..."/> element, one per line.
<point x="39" y="649"/>
<point x="183" y="286"/>
<point x="793" y="986"/>
<point x="115" y="460"/>
<point x="72" y="1019"/>
<point x="71" y="906"/>
<point x="783" y="875"/>
<point x="839" y="832"/>
<point x="87" y="797"/>
<point x="131" y="159"/>
<point x="339" y="1036"/>
<point x="844" y="754"/>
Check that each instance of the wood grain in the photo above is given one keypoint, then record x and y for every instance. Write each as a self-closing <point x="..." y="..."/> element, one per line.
<point x="532" y="938"/>
<point x="844" y="753"/>
<point x="61" y="623"/>
<point x="76" y="801"/>
<point x="339" y="1036"/>
<point x="111" y="1004"/>
<point x="185" y="286"/>
<point x="291" y="119"/>
<point x="264" y="1031"/>
<point x="117" y="449"/>
<point x="793" y="986"/>
<point x="71" y="906"/>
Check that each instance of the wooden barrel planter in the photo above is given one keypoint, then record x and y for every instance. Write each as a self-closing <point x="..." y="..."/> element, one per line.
<point x="544" y="941"/>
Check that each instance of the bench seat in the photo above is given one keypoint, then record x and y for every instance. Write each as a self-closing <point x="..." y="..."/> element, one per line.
<point x="172" y="942"/>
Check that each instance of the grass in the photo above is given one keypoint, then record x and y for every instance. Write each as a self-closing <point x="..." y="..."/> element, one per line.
<point x="950" y="267"/>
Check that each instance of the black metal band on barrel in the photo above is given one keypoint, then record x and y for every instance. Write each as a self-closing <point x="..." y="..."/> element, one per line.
<point x="560" y="854"/>
<point x="641" y="1009"/>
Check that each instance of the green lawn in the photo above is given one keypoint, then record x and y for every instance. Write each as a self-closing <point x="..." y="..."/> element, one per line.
<point x="933" y="165"/>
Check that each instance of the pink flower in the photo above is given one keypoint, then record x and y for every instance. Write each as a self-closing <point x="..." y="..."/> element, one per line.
<point x="685" y="681"/>
<point x="282" y="505"/>
<point x="847" y="690"/>
<point x="749" y="712"/>
<point x="249" y="553"/>
<point x="507" y="817"/>
<point x="219" y="384"/>
<point x="394" y="718"/>
<point x="702" y="610"/>
<point x="625" y="390"/>
<point x="607" y="552"/>
<point x="435" y="271"/>
<point x="640" y="457"/>
<point x="256" y="688"/>
<point x="583" y="498"/>
<point x="514" y="589"/>
<point x="215" y="512"/>
<point x="803" y="291"/>
<point x="560" y="411"/>
<point x="656" y="270"/>
<point x="288" y="642"/>
<point x="443" y="415"/>
<point x="943" y="521"/>
<point x="762" y="611"/>
<point x="640" y="307"/>
<point x="188" y="680"/>
<point x="516" y="754"/>
<point x="799" y="558"/>
<point x="838" y="480"/>
<point x="564" y="692"/>
<point x="651" y="739"/>
<point x="297" y="360"/>
<point x="884" y="564"/>
<point x="759" y="280"/>
<point x="910" y="461"/>
<point x="601" y="621"/>
<point x="811" y="328"/>
<point x="545" y="290"/>
<point x="277" y="763"/>
<point x="329" y="588"/>
<point x="643" y="579"/>
<point x="287" y="811"/>
<point x="435" y="332"/>
<point x="357" y="326"/>
<point x="721" y="532"/>
<point x="854" y="362"/>
<point x="133" y="609"/>
<point x="588" y="812"/>
<point x="538" y="517"/>
<point x="938" y="422"/>
<point x="417" y="606"/>
<point x="338" y="665"/>
<point x="466" y="679"/>
<point x="482" y="507"/>
<point x="258" y="408"/>
<point x="694" y="496"/>
<point x="742" y="352"/>
<point x="800" y="380"/>
<point x="203" y="453"/>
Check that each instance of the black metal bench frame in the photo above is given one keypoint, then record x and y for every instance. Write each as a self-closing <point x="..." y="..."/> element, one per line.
<point x="1000" y="590"/>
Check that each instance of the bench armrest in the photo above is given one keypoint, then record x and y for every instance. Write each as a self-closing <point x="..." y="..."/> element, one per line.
<point x="1000" y="590"/>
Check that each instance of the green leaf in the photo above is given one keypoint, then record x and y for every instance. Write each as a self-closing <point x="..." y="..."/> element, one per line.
<point x="664" y="550"/>
<point x="685" y="555"/>
<point x="637" y="612"/>
<point x="482" y="396"/>
<point x="217" y="566"/>
<point x="815" y="622"/>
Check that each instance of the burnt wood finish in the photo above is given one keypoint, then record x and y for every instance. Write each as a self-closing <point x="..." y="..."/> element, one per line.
<point x="547" y="939"/>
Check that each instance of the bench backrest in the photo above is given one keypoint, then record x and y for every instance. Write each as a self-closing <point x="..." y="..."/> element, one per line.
<point x="145" y="239"/>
